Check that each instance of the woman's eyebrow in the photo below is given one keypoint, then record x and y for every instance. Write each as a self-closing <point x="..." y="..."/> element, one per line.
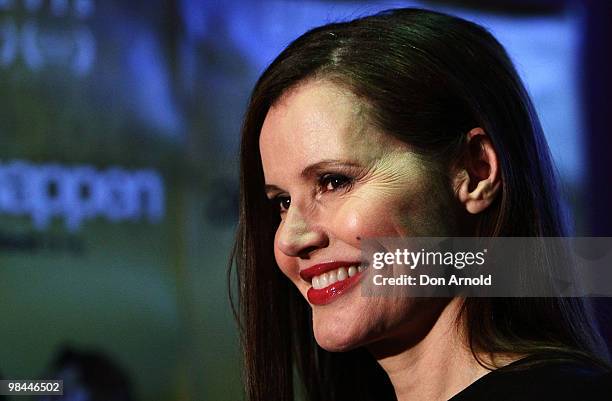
<point x="271" y="188"/>
<point x="313" y="169"/>
<point x="324" y="164"/>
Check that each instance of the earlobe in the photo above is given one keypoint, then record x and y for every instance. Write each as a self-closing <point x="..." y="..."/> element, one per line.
<point x="480" y="198"/>
<point x="478" y="182"/>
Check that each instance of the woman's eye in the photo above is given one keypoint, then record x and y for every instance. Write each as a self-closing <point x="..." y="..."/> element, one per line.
<point x="283" y="202"/>
<point x="331" y="182"/>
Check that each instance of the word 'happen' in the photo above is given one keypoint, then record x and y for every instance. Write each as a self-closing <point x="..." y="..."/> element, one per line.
<point x="79" y="193"/>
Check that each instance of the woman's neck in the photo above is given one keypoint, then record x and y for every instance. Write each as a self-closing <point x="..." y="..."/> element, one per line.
<point x="437" y="367"/>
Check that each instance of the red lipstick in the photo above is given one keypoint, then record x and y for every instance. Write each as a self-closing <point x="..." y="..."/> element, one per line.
<point x="308" y="274"/>
<point x="328" y="294"/>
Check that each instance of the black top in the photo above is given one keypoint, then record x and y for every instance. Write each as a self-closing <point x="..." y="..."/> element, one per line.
<point x="565" y="380"/>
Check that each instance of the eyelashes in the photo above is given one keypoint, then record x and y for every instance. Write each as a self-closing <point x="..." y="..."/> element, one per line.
<point x="282" y="202"/>
<point x="333" y="181"/>
<point x="326" y="183"/>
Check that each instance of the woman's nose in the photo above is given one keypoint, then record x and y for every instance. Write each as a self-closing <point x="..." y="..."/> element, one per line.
<point x="299" y="236"/>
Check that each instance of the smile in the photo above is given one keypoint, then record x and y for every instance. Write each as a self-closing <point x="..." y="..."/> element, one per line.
<point x="339" y="274"/>
<point x="330" y="280"/>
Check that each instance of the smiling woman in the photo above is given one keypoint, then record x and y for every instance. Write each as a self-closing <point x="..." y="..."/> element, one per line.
<point x="408" y="123"/>
<point x="337" y="179"/>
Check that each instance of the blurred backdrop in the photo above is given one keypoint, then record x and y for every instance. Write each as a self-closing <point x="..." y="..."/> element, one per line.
<point x="119" y="132"/>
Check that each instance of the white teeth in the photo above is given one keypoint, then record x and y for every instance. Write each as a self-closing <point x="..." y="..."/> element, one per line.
<point x="323" y="280"/>
<point x="333" y="276"/>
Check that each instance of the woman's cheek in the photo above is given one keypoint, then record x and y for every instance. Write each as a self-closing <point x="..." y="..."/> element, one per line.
<point x="362" y="218"/>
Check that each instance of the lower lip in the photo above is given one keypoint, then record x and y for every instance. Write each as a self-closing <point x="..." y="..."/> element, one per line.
<point x="330" y="293"/>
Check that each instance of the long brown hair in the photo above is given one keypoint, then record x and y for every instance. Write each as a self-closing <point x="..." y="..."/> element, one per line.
<point x="428" y="78"/>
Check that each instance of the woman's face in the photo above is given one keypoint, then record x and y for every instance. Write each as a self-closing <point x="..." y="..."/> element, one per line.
<point x="336" y="180"/>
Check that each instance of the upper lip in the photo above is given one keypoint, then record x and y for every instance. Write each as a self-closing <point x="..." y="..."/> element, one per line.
<point x="320" y="268"/>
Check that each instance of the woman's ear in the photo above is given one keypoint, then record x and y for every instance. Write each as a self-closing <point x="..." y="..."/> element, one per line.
<point x="477" y="181"/>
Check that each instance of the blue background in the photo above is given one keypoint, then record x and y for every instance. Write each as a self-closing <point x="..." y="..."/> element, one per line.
<point x="163" y="85"/>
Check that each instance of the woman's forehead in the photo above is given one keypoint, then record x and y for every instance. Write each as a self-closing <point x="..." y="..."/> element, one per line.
<point x="321" y="119"/>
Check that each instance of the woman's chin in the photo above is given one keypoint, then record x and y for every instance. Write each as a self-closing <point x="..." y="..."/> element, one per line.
<point x="338" y="335"/>
<point x="334" y="343"/>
